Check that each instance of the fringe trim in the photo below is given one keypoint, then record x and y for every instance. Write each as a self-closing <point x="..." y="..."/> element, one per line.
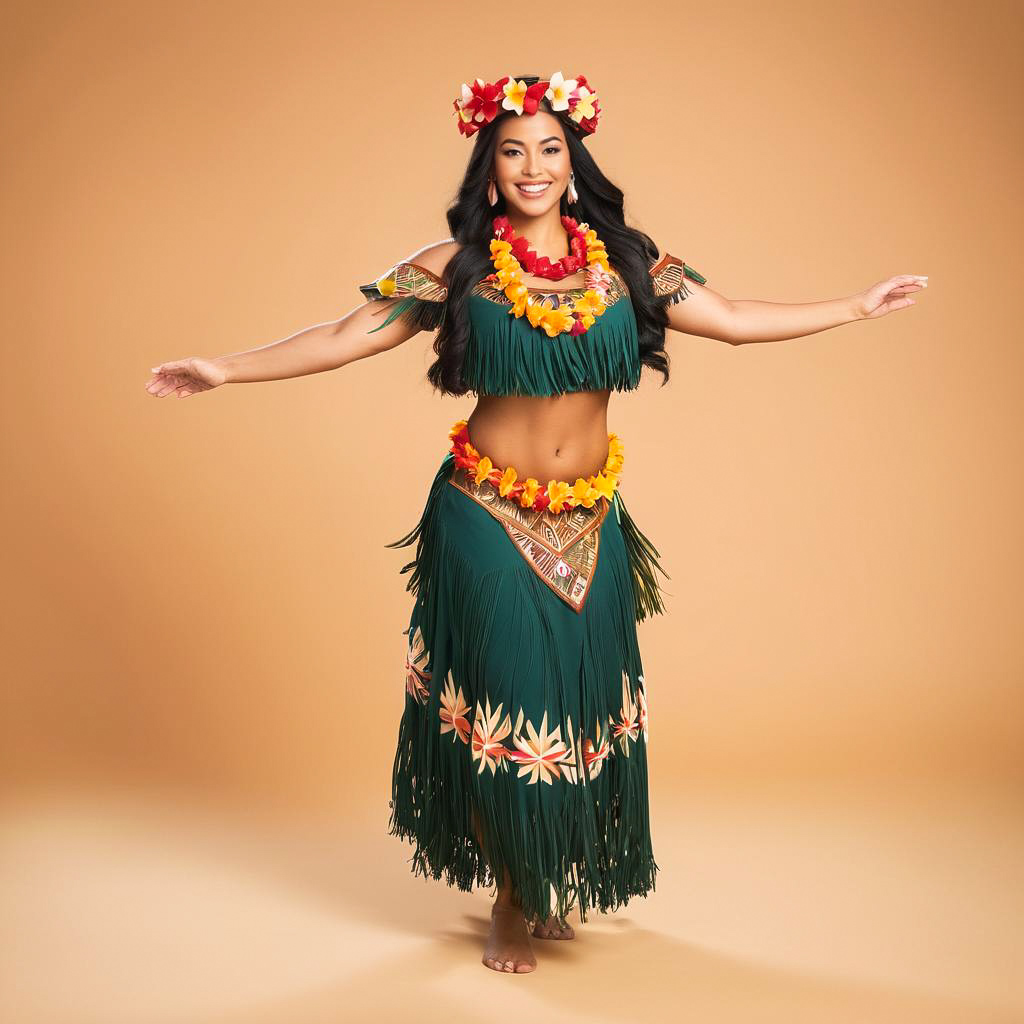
<point x="423" y="567"/>
<point x="643" y="562"/>
<point x="683" y="291"/>
<point x="505" y="356"/>
<point x="584" y="843"/>
<point x="427" y="316"/>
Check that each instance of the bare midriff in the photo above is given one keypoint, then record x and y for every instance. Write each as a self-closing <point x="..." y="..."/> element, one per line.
<point x="556" y="437"/>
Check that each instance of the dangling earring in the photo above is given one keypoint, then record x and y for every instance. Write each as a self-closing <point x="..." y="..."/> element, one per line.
<point x="571" y="193"/>
<point x="492" y="192"/>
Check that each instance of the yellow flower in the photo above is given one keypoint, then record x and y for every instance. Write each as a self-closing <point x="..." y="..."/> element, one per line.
<point x="590" y="237"/>
<point x="503" y="278"/>
<point x="516" y="290"/>
<point x="500" y="245"/>
<point x="556" y="321"/>
<point x="534" y="313"/>
<point x="558" y="493"/>
<point x="588" y="321"/>
<point x="584" y="493"/>
<point x="530" y="489"/>
<point x="604" y="485"/>
<point x="508" y="478"/>
<point x="483" y="468"/>
<point x="589" y="303"/>
<point x="613" y="464"/>
<point x="471" y="451"/>
<point x="584" y="105"/>
<point x="514" y="94"/>
<point x="386" y="286"/>
<point x="457" y="426"/>
<point x="614" y="444"/>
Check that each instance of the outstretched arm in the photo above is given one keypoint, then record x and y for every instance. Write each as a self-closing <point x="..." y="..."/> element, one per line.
<point x="708" y="314"/>
<point x="364" y="331"/>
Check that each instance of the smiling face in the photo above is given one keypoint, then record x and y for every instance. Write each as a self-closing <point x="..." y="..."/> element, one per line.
<point x="531" y="150"/>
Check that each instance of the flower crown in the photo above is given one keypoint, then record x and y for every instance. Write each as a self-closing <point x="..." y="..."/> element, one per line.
<point x="481" y="102"/>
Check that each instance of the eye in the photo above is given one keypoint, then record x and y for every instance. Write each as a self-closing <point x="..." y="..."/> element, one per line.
<point x="549" y="149"/>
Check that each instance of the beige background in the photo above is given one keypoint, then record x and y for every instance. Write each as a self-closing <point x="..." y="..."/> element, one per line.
<point x="200" y="616"/>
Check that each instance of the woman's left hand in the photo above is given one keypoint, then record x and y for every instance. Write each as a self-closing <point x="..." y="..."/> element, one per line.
<point x="889" y="295"/>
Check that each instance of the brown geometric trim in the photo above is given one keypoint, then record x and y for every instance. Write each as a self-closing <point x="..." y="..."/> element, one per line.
<point x="667" y="275"/>
<point x="560" y="547"/>
<point x="552" y="297"/>
<point x="407" y="279"/>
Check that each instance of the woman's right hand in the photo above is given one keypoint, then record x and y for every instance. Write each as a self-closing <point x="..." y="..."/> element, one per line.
<point x="184" y="377"/>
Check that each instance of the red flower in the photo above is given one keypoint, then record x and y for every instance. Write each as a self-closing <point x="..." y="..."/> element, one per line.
<point x="483" y="105"/>
<point x="534" y="94"/>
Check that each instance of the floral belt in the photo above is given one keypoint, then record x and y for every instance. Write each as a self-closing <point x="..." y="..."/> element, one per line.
<point x="559" y="495"/>
<point x="559" y="537"/>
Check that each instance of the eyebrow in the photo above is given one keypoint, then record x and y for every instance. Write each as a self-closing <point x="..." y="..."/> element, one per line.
<point x="550" y="138"/>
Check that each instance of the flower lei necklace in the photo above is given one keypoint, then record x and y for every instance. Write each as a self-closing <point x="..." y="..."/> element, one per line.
<point x="558" y="496"/>
<point x="574" y="317"/>
<point x="541" y="266"/>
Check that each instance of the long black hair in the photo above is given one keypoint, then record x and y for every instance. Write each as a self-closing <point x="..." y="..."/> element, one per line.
<point x="600" y="204"/>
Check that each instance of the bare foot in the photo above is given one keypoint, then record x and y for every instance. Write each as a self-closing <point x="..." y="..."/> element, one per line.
<point x="553" y="928"/>
<point x="508" y="945"/>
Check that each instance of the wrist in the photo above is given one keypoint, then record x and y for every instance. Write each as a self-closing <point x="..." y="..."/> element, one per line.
<point x="854" y="305"/>
<point x="226" y="365"/>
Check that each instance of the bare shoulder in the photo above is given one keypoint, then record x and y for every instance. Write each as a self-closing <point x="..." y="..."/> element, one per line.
<point x="435" y="257"/>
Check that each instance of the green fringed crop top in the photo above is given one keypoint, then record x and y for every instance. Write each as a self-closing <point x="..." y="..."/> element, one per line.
<point x="505" y="355"/>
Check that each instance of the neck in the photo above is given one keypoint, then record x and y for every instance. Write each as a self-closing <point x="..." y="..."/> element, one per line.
<point x="544" y="232"/>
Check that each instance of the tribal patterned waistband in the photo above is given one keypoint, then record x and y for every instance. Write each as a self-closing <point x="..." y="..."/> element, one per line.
<point x="561" y="548"/>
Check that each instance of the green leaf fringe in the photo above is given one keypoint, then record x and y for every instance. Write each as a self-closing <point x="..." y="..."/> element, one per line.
<point x="588" y="843"/>
<point x="643" y="563"/>
<point x="428" y="316"/>
<point x="506" y="356"/>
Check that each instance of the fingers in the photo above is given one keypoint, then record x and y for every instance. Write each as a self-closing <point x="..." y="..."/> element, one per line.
<point x="172" y="367"/>
<point x="164" y="384"/>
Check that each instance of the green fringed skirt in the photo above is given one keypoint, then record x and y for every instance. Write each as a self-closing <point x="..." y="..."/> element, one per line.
<point x="525" y="703"/>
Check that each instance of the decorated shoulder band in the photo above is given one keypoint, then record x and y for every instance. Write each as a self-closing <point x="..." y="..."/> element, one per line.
<point x="558" y="496"/>
<point x="669" y="277"/>
<point x="421" y="294"/>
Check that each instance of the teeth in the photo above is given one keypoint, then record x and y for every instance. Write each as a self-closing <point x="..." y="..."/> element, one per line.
<point x="535" y="188"/>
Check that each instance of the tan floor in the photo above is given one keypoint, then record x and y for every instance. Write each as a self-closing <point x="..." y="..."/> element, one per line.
<point x="896" y="905"/>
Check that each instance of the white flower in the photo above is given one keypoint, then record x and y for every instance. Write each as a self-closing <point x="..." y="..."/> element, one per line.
<point x="558" y="91"/>
<point x="515" y="93"/>
<point x="488" y="732"/>
<point x="417" y="678"/>
<point x="627" y="727"/>
<point x="540" y="753"/>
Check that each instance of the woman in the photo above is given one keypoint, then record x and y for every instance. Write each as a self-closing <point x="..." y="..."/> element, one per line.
<point x="522" y="749"/>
